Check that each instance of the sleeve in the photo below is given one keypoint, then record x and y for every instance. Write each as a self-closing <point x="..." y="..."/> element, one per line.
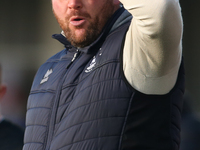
<point x="153" y="46"/>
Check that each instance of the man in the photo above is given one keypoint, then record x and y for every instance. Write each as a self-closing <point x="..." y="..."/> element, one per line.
<point x="11" y="136"/>
<point x="117" y="85"/>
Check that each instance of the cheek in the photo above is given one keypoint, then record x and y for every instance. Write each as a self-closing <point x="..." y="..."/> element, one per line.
<point x="59" y="8"/>
<point x="55" y="5"/>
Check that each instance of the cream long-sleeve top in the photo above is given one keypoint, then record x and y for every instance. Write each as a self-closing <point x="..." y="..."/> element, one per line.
<point x="153" y="46"/>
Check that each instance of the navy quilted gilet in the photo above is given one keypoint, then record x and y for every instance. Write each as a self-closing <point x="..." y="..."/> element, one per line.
<point x="87" y="104"/>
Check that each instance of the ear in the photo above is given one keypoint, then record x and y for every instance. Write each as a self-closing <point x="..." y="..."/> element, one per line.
<point x="3" y="90"/>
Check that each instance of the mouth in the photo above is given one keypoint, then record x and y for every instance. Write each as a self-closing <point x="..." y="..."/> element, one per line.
<point x="77" y="21"/>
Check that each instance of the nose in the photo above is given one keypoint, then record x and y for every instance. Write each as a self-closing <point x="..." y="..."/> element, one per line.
<point x="74" y="4"/>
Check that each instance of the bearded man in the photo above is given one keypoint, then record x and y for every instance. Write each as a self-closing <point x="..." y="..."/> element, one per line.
<point x="117" y="85"/>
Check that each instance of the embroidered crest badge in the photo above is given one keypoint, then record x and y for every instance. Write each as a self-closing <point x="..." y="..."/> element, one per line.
<point x="92" y="65"/>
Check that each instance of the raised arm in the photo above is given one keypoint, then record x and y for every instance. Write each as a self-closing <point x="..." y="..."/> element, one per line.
<point x="152" y="51"/>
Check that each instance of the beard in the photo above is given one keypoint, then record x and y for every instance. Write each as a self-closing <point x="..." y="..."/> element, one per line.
<point x="92" y="31"/>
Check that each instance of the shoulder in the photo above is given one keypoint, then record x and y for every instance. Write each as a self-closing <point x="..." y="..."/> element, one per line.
<point x="11" y="136"/>
<point x="10" y="127"/>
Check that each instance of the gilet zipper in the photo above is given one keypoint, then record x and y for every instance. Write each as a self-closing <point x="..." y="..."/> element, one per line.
<point x="57" y="97"/>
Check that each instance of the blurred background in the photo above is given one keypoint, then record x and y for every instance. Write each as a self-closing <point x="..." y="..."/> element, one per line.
<point x="25" y="43"/>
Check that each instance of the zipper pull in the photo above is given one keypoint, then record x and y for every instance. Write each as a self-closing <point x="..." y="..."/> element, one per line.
<point x="75" y="56"/>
